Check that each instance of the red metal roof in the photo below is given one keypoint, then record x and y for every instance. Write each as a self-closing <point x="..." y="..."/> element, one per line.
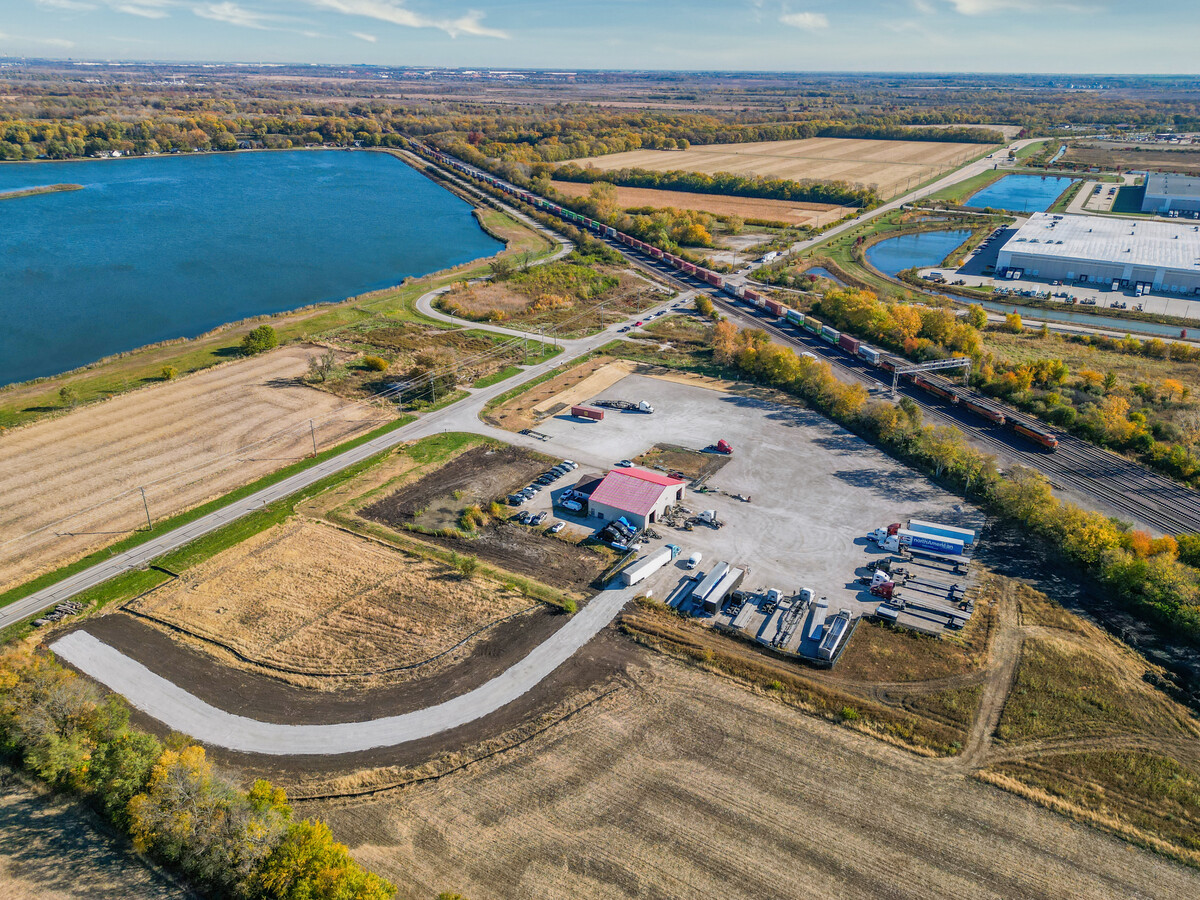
<point x="632" y="490"/>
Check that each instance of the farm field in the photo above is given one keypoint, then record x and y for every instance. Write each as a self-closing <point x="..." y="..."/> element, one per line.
<point x="815" y="215"/>
<point x="889" y="166"/>
<point x="1126" y="157"/>
<point x="306" y="598"/>
<point x="52" y="849"/>
<point x="185" y="441"/>
<point x="686" y="786"/>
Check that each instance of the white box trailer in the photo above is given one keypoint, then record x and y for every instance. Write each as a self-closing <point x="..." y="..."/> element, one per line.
<point x="838" y="626"/>
<point x="819" y="611"/>
<point x="644" y="567"/>
<point x="709" y="582"/>
<point x="727" y="585"/>
<point x="937" y="529"/>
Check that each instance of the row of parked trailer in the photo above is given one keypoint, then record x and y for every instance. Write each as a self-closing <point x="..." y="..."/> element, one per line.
<point x="846" y="343"/>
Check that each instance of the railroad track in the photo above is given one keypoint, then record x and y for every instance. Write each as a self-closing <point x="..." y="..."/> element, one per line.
<point x="1123" y="487"/>
<point x="1127" y="489"/>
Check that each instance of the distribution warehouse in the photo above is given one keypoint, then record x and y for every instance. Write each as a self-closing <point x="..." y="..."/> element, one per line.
<point x="1103" y="250"/>
<point x="1171" y="193"/>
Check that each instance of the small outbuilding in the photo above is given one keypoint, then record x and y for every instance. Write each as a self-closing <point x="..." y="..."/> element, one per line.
<point x="640" y="496"/>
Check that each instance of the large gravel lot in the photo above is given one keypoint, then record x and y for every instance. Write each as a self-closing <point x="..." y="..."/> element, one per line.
<point x="815" y="488"/>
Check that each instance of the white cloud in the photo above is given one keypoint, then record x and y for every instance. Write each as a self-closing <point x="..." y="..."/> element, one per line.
<point x="990" y="7"/>
<point x="809" y="21"/>
<point x="233" y="14"/>
<point x="923" y="6"/>
<point x="65" y="4"/>
<point x="46" y="42"/>
<point x="396" y="13"/>
<point x="363" y="36"/>
<point x="146" y="9"/>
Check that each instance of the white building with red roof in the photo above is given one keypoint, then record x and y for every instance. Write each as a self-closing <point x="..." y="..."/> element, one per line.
<point x="640" y="496"/>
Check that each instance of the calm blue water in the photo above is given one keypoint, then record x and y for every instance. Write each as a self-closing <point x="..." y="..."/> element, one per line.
<point x="1021" y="193"/>
<point x="926" y="248"/>
<point x="174" y="246"/>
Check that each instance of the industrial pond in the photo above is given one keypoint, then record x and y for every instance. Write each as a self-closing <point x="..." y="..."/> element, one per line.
<point x="1021" y="193"/>
<point x="919" y="250"/>
<point x="158" y="248"/>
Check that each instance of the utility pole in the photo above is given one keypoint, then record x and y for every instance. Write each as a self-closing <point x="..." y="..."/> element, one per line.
<point x="146" y="505"/>
<point x="313" y="431"/>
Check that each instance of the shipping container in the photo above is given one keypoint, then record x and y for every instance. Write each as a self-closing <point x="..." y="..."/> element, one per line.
<point x="712" y="278"/>
<point x="774" y="307"/>
<point x="849" y="344"/>
<point x="830" y="334"/>
<point x="869" y="355"/>
<point x="586" y="412"/>
<point x="813" y="325"/>
<point x="796" y="318"/>
<point x="966" y="535"/>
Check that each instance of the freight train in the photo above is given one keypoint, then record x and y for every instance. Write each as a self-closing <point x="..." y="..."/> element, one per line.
<point x="849" y="345"/>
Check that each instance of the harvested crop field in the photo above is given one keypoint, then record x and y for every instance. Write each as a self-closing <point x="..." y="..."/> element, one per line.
<point x="788" y="212"/>
<point x="185" y="441"/>
<point x="53" y="849"/>
<point x="889" y="166"/>
<point x="307" y="598"/>
<point x="686" y="786"/>
<point x="1128" y="157"/>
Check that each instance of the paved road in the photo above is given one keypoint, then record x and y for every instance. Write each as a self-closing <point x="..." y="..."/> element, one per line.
<point x="460" y="416"/>
<point x="185" y="713"/>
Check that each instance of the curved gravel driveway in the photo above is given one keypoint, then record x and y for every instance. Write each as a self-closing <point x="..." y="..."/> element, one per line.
<point x="183" y="712"/>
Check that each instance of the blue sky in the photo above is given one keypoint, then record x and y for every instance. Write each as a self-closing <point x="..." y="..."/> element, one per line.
<point x="788" y="35"/>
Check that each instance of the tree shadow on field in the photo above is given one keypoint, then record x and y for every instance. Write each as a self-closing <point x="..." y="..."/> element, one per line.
<point x="284" y="382"/>
<point x="228" y="352"/>
<point x="889" y="484"/>
<point x="61" y="848"/>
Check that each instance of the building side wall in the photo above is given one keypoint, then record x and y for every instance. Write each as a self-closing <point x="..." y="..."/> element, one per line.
<point x="666" y="499"/>
<point x="1049" y="268"/>
<point x="1163" y="203"/>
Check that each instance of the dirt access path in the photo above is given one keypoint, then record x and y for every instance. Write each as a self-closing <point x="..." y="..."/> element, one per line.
<point x="185" y="441"/>
<point x="1004" y="654"/>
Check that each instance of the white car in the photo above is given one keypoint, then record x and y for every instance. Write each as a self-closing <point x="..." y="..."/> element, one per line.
<point x="694" y="560"/>
<point x="556" y="528"/>
<point x="625" y="464"/>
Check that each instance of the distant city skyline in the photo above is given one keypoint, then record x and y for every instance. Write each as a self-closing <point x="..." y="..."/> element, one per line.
<point x="1043" y="36"/>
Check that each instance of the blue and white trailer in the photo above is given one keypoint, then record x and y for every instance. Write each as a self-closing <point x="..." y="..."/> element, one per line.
<point x="936" y="529"/>
<point x="915" y="540"/>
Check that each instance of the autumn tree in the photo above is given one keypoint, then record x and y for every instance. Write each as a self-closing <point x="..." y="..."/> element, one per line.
<point x="1013" y="323"/>
<point x="977" y="316"/>
<point x="260" y="340"/>
<point x="308" y="864"/>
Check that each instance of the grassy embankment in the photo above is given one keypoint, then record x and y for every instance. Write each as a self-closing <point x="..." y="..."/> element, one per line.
<point x="35" y="191"/>
<point x="23" y="403"/>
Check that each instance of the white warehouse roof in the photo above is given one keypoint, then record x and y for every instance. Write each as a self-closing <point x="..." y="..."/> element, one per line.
<point x="1168" y="185"/>
<point x="1105" y="239"/>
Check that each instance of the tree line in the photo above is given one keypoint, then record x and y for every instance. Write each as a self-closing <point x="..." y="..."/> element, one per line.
<point x="1154" y="577"/>
<point x="165" y="795"/>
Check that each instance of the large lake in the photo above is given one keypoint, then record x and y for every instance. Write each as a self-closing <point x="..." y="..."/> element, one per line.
<point x="173" y="246"/>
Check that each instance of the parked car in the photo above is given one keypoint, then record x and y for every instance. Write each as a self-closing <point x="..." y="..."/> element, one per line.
<point x="534" y="488"/>
<point x="522" y="517"/>
<point x="571" y="464"/>
<point x="572" y="505"/>
<point x="516" y="499"/>
<point x="539" y="518"/>
<point x="556" y="528"/>
<point x="624" y="464"/>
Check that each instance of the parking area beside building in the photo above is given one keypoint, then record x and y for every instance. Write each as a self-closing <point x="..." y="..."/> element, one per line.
<point x="814" y="489"/>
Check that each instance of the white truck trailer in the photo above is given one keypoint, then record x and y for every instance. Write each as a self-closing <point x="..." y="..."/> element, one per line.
<point x="646" y="566"/>
<point x="966" y="535"/>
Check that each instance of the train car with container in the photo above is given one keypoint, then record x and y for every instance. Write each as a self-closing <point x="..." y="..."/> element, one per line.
<point x="853" y="347"/>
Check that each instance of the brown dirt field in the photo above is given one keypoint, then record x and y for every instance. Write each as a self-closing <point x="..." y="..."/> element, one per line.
<point x="1186" y="161"/>
<point x="53" y="849"/>
<point x="791" y="213"/>
<point x="890" y="166"/>
<point x="479" y="475"/>
<point x="692" y="463"/>
<point x="313" y="599"/>
<point x="688" y="787"/>
<point x="179" y="439"/>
